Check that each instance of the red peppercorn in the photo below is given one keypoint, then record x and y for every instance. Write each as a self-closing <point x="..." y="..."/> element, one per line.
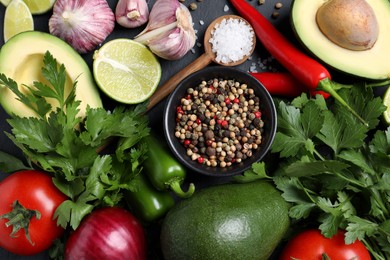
<point x="209" y="142"/>
<point x="227" y="101"/>
<point x="257" y="114"/>
<point x="236" y="101"/>
<point x="219" y="121"/>
<point x="179" y="110"/>
<point x="198" y="121"/>
<point x="187" y="142"/>
<point x="200" y="160"/>
<point x="188" y="97"/>
<point x="225" y="123"/>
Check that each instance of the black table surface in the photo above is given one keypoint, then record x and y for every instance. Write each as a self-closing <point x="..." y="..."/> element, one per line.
<point x="207" y="10"/>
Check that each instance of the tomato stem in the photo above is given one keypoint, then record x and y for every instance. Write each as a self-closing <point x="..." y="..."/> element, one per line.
<point x="327" y="85"/>
<point x="19" y="218"/>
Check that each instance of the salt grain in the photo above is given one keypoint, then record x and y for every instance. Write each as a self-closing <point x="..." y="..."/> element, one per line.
<point x="232" y="40"/>
<point x="226" y="8"/>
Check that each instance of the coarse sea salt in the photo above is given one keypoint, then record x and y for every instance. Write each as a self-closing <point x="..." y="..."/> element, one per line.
<point x="231" y="40"/>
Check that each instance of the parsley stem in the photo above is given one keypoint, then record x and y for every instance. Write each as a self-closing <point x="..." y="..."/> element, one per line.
<point x="355" y="182"/>
<point x="319" y="155"/>
<point x="379" y="84"/>
<point x="378" y="199"/>
<point x="328" y="86"/>
<point x="373" y="249"/>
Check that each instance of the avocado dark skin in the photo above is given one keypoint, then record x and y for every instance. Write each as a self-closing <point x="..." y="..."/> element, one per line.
<point x="227" y="221"/>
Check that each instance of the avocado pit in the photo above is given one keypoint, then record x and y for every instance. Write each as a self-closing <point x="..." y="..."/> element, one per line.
<point x="350" y="24"/>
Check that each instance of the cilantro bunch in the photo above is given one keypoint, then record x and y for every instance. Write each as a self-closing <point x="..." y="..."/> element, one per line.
<point x="336" y="170"/>
<point x="74" y="148"/>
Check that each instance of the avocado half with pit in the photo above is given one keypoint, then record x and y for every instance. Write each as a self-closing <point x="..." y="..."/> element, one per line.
<point x="352" y="36"/>
<point x="21" y="59"/>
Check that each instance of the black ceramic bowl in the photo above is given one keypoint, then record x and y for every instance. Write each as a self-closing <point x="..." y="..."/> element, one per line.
<point x="267" y="108"/>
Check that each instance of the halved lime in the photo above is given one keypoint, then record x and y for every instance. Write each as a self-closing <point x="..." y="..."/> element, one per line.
<point x="17" y="19"/>
<point x="386" y="102"/>
<point x="127" y="71"/>
<point x="39" y="6"/>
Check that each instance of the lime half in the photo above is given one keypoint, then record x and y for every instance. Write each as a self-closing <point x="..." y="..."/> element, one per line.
<point x="17" y="19"/>
<point x="126" y="71"/>
<point x="39" y="6"/>
<point x="386" y="102"/>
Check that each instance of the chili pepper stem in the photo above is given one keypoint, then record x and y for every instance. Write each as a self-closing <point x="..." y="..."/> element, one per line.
<point x="327" y="85"/>
<point x="176" y="188"/>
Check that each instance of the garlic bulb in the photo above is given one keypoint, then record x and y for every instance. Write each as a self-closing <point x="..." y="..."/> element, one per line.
<point x="169" y="33"/>
<point x="84" y="24"/>
<point x="132" y="13"/>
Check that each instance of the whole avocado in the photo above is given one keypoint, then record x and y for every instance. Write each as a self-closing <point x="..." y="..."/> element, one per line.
<point x="226" y="221"/>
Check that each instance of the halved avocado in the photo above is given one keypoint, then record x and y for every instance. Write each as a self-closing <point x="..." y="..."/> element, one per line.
<point x="21" y="59"/>
<point x="372" y="63"/>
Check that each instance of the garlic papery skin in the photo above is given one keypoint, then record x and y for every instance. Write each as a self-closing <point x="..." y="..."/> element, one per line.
<point x="84" y="24"/>
<point x="132" y="13"/>
<point x="169" y="33"/>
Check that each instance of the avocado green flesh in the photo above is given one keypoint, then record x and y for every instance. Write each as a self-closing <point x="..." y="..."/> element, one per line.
<point x="230" y="221"/>
<point x="21" y="59"/>
<point x="370" y="64"/>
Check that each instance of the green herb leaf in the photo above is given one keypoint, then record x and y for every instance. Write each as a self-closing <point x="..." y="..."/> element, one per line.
<point x="9" y="163"/>
<point x="256" y="172"/>
<point x="62" y="142"/>
<point x="296" y="128"/>
<point x="331" y="172"/>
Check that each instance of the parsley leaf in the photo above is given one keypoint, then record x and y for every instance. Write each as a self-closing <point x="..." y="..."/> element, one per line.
<point x="60" y="141"/>
<point x="332" y="171"/>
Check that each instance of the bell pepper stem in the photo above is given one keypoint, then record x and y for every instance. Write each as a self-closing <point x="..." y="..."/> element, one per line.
<point x="327" y="86"/>
<point x="176" y="188"/>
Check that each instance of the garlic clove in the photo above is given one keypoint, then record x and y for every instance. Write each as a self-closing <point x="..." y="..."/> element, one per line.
<point x="169" y="33"/>
<point x="163" y="12"/>
<point x="172" y="45"/>
<point x="131" y="13"/>
<point x="84" y="24"/>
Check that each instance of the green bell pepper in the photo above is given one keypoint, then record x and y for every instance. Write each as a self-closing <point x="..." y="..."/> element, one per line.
<point x="164" y="171"/>
<point x="147" y="203"/>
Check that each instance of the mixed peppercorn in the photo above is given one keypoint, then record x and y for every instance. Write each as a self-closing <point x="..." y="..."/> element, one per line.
<point x="219" y="122"/>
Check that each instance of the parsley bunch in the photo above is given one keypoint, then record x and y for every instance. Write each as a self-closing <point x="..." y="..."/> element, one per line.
<point x="336" y="170"/>
<point x="69" y="146"/>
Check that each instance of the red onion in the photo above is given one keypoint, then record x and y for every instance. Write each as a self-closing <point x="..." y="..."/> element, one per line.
<point x="107" y="233"/>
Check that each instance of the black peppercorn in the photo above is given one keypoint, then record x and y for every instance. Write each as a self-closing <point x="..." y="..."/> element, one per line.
<point x="220" y="122"/>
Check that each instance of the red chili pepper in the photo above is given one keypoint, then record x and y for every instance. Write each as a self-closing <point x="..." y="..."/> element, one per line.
<point x="310" y="72"/>
<point x="280" y="83"/>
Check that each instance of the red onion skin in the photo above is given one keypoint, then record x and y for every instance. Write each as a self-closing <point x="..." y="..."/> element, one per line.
<point x="107" y="233"/>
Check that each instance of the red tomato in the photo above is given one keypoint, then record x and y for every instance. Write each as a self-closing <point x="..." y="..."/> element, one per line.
<point x="35" y="191"/>
<point x="312" y="245"/>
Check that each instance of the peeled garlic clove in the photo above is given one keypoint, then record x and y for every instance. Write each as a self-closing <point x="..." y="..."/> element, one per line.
<point x="169" y="33"/>
<point x="131" y="13"/>
<point x="84" y="24"/>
